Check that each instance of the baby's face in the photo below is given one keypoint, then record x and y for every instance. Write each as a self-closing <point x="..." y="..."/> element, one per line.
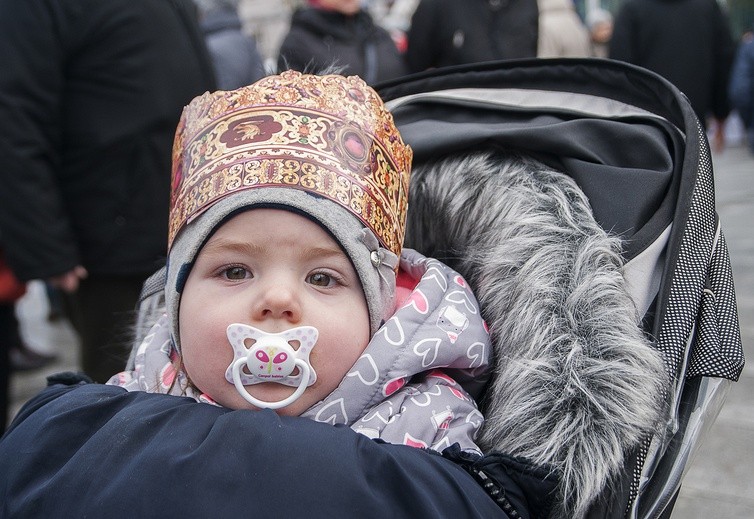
<point x="273" y="270"/>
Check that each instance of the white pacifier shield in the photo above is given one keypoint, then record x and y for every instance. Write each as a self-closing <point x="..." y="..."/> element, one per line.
<point x="271" y="358"/>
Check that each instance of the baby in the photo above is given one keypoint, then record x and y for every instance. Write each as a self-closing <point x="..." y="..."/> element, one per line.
<point x="286" y="284"/>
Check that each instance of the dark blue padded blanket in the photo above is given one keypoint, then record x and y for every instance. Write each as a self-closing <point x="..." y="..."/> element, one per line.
<point x="86" y="450"/>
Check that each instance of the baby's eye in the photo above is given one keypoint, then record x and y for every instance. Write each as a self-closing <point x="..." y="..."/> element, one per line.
<point x="321" y="279"/>
<point x="235" y="273"/>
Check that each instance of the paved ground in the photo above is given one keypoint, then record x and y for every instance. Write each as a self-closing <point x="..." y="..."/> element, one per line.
<point x="719" y="482"/>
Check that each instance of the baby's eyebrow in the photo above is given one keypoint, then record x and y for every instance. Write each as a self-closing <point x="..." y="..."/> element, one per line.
<point x="322" y="253"/>
<point x="220" y="245"/>
<point x="324" y="250"/>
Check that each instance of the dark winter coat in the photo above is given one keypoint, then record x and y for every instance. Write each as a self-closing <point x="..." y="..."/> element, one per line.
<point x="319" y="39"/>
<point x="90" y="95"/>
<point x="449" y="32"/>
<point x="686" y="41"/>
<point x="741" y="88"/>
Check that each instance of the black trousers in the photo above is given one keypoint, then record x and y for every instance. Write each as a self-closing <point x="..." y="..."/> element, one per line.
<point x="103" y="312"/>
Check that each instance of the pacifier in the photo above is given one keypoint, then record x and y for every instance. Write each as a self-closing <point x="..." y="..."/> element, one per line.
<point x="271" y="358"/>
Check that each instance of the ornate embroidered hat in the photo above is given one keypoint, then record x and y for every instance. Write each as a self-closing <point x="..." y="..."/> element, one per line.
<point x="321" y="146"/>
<point x="327" y="135"/>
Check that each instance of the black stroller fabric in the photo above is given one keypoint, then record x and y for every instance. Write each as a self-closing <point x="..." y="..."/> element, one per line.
<point x="634" y="146"/>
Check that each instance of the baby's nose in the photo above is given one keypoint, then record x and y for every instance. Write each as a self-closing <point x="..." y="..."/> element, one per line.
<point x="278" y="301"/>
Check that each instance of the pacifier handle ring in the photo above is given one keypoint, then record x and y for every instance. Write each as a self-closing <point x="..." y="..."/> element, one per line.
<point x="305" y="372"/>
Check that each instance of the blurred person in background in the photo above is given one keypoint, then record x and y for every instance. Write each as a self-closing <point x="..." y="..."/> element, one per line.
<point x="741" y="87"/>
<point x="562" y="34"/>
<point x="234" y="54"/>
<point x="449" y="32"/>
<point x="688" y="42"/>
<point x="600" y="24"/>
<point x="340" y="33"/>
<point x="90" y="96"/>
<point x="395" y="17"/>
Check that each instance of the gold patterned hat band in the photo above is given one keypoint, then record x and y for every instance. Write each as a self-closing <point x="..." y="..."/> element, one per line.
<point x="329" y="135"/>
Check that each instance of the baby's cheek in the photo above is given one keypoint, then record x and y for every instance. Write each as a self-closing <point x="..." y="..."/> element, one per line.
<point x="205" y="360"/>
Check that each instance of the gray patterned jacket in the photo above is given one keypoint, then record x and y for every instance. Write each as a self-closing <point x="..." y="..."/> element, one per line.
<point x="415" y="383"/>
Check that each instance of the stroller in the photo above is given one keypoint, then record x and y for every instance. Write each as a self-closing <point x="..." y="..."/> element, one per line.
<point x="632" y="143"/>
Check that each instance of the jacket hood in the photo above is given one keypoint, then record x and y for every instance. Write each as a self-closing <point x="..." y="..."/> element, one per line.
<point x="438" y="325"/>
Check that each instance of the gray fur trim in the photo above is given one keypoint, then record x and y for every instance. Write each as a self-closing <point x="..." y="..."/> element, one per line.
<point x="377" y="280"/>
<point x="576" y="384"/>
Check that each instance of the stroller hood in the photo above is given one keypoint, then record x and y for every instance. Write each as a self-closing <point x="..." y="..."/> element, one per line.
<point x="634" y="147"/>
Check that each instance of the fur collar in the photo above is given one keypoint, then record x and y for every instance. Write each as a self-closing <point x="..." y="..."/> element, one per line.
<point x="576" y="385"/>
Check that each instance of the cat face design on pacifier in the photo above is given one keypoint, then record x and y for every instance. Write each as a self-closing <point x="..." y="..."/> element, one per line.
<point x="271" y="357"/>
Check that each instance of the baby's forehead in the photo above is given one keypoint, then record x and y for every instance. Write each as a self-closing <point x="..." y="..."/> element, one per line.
<point x="258" y="228"/>
<point x="277" y="212"/>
